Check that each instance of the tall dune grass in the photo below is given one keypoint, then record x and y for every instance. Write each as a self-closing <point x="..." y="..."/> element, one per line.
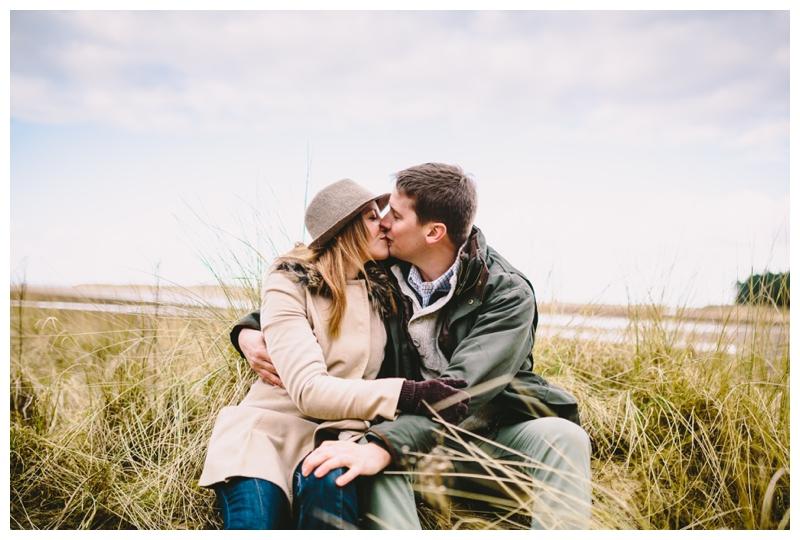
<point x="110" y="415"/>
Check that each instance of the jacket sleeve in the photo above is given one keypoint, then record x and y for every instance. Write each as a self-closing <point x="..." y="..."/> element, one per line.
<point x="497" y="346"/>
<point x="301" y="366"/>
<point x="487" y="358"/>
<point x="250" y="321"/>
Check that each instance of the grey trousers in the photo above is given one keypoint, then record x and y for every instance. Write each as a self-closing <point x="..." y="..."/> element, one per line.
<point x="541" y="465"/>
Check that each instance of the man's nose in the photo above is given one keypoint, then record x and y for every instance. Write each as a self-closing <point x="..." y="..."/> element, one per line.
<point x="386" y="223"/>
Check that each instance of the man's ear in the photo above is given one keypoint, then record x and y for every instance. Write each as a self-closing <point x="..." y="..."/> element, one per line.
<point x="436" y="231"/>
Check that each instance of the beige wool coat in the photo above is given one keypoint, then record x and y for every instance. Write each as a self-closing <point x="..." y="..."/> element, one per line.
<point x="273" y="429"/>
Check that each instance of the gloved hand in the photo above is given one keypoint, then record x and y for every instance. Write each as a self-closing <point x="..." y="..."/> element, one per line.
<point x="413" y="393"/>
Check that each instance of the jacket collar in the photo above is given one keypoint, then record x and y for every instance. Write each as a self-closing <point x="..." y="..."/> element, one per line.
<point x="379" y="285"/>
<point x="473" y="271"/>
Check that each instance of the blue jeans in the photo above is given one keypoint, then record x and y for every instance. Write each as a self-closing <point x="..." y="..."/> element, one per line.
<point x="321" y="504"/>
<point x="254" y="503"/>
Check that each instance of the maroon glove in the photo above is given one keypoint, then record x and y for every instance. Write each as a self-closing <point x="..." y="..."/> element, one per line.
<point x="413" y="393"/>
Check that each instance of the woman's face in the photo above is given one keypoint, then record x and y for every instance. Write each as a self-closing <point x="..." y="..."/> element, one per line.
<point x="378" y="248"/>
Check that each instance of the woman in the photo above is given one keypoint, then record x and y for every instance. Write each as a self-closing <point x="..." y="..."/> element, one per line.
<point x="322" y="317"/>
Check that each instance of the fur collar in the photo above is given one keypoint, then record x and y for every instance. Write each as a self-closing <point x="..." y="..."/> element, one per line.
<point x="379" y="284"/>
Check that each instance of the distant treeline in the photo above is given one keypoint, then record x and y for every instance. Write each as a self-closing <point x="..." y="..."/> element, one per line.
<point x="766" y="288"/>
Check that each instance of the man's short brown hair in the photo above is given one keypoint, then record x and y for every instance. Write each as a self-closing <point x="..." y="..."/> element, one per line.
<point x="442" y="193"/>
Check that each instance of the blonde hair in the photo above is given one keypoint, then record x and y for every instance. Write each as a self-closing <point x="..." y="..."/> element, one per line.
<point x="349" y="248"/>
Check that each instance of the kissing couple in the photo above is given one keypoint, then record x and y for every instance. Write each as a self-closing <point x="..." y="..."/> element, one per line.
<point x="391" y="331"/>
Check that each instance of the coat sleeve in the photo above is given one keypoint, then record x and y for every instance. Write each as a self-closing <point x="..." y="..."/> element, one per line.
<point x="491" y="354"/>
<point x="251" y="321"/>
<point x="301" y="366"/>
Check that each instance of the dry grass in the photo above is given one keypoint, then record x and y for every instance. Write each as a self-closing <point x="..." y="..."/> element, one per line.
<point x="110" y="415"/>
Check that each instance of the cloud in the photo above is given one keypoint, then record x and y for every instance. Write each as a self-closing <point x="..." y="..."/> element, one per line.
<point x="234" y="70"/>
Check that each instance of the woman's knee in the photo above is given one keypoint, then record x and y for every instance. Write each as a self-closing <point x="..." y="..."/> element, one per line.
<point x="251" y="503"/>
<point x="324" y="486"/>
<point x="321" y="504"/>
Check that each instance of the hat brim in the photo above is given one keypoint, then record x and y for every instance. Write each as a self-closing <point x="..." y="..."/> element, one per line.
<point x="327" y="236"/>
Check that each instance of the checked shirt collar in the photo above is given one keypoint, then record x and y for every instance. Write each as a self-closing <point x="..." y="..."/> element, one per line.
<point x="428" y="289"/>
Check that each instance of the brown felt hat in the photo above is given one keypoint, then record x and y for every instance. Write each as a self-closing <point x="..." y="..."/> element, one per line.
<point x="334" y="206"/>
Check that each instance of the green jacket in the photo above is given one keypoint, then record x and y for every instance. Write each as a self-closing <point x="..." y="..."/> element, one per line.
<point x="487" y="333"/>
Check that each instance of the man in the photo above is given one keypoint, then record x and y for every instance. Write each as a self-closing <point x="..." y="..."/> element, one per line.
<point x="465" y="313"/>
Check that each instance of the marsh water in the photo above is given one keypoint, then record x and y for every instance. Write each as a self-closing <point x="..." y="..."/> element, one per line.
<point x="728" y="337"/>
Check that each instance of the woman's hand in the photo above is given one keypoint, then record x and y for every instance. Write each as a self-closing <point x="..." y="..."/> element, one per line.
<point x="252" y="344"/>
<point x="441" y="395"/>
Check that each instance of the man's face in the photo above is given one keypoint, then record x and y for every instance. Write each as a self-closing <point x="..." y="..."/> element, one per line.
<point x="405" y="235"/>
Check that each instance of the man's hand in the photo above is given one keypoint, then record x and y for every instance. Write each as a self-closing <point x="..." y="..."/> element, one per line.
<point x="252" y="344"/>
<point x="444" y="395"/>
<point x="360" y="459"/>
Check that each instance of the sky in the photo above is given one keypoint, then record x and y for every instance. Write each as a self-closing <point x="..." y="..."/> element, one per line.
<point x="619" y="156"/>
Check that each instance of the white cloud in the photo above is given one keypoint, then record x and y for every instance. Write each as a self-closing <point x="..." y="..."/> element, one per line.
<point x="378" y="67"/>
